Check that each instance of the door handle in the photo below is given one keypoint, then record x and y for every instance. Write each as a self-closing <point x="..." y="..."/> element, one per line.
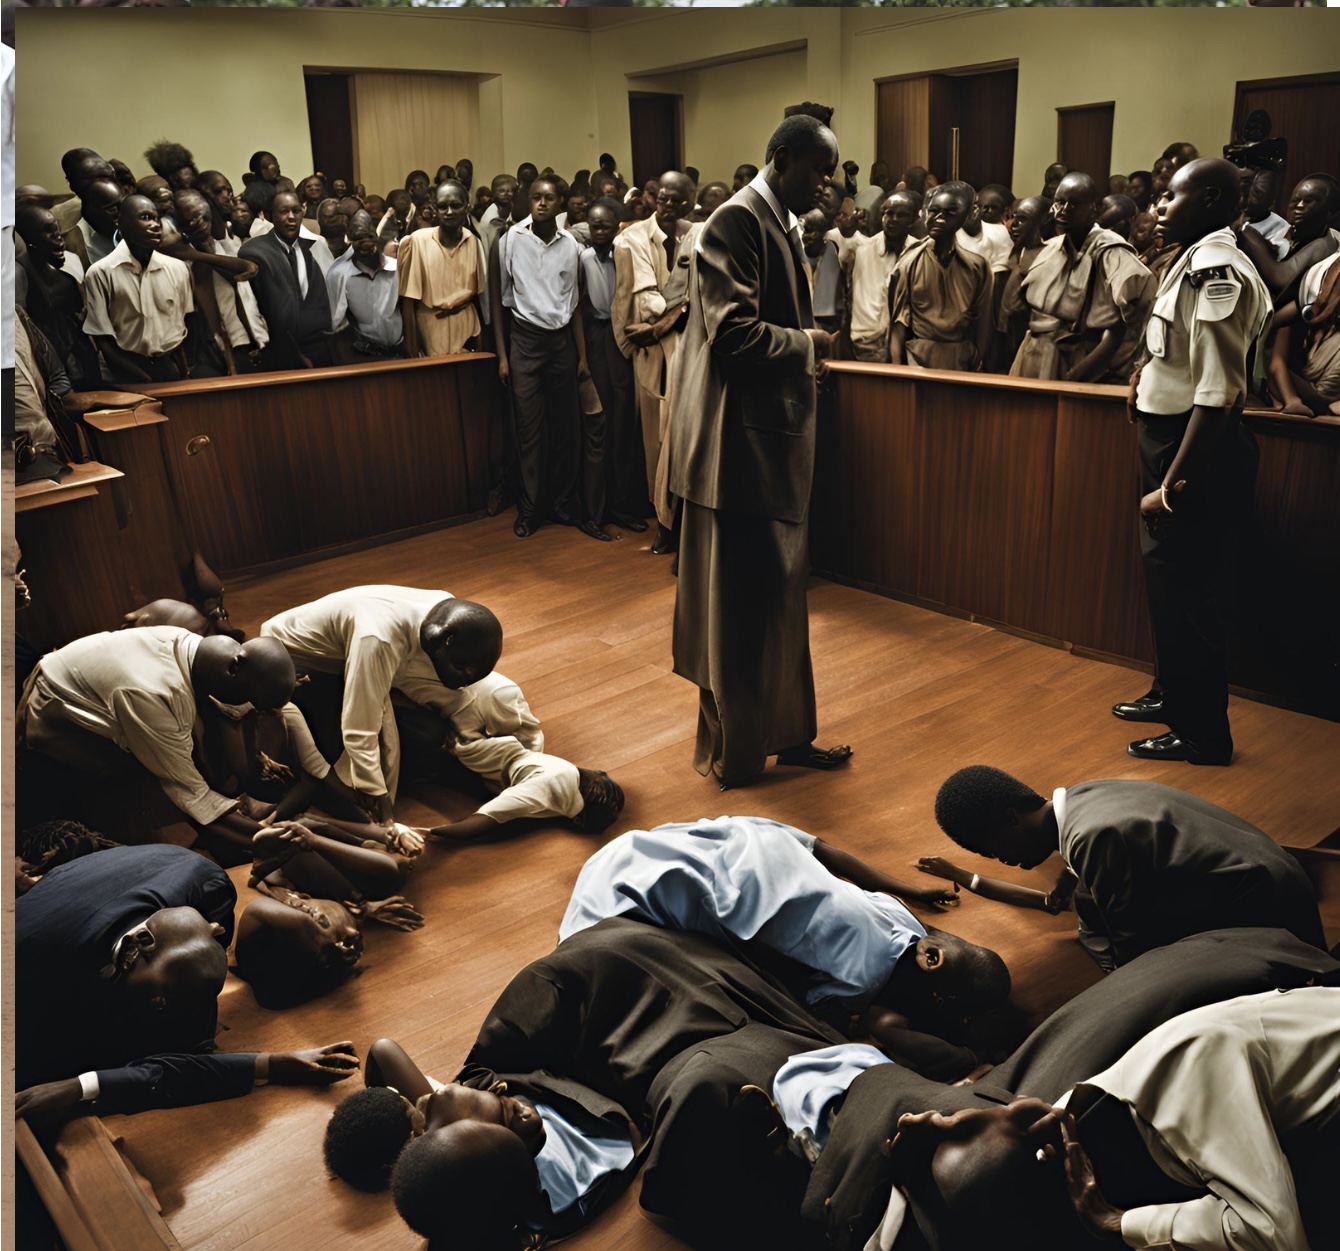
<point x="197" y="444"/>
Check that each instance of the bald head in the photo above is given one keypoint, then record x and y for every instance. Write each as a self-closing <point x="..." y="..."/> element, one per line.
<point x="258" y="672"/>
<point x="676" y="194"/>
<point x="1075" y="206"/>
<point x="462" y="639"/>
<point x="186" y="965"/>
<point x="1205" y="196"/>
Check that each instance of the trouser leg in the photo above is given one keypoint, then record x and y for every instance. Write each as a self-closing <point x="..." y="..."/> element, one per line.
<point x="563" y="426"/>
<point x="526" y="363"/>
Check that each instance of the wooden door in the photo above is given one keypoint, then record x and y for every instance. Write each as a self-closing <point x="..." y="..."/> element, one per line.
<point x="1084" y="140"/>
<point x="1306" y="111"/>
<point x="655" y="122"/>
<point x="331" y="125"/>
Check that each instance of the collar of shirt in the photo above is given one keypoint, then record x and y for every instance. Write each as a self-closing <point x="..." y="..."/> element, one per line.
<point x="785" y="217"/>
<point x="356" y="270"/>
<point x="122" y="255"/>
<point x="559" y="232"/>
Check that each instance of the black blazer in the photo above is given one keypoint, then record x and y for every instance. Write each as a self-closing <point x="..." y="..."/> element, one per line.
<point x="291" y="319"/>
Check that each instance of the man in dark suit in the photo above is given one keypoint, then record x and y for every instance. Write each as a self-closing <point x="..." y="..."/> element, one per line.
<point x="618" y="1025"/>
<point x="1145" y="864"/>
<point x="291" y="291"/>
<point x="741" y="438"/>
<point x="116" y="955"/>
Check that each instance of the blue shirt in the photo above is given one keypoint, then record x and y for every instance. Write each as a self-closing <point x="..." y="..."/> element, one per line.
<point x="807" y="1084"/>
<point x="750" y="878"/>
<point x="571" y="1162"/>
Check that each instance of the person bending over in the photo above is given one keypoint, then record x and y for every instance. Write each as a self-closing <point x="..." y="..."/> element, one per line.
<point x="865" y="957"/>
<point x="1144" y="864"/>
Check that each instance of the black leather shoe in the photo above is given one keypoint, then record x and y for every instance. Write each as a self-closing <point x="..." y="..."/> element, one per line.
<point x="665" y="541"/>
<point x="1149" y="707"/>
<point x="635" y="524"/>
<point x="1170" y="747"/>
<point x="590" y="528"/>
<point x="523" y="527"/>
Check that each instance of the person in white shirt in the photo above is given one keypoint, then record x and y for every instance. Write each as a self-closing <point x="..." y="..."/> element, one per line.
<point x="370" y="639"/>
<point x="137" y="301"/>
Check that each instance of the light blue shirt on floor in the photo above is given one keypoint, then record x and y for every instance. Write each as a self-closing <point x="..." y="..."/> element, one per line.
<point x="750" y="878"/>
<point x="571" y="1162"/>
<point x="807" y="1084"/>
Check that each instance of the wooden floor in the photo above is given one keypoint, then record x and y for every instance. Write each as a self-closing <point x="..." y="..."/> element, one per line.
<point x="588" y="638"/>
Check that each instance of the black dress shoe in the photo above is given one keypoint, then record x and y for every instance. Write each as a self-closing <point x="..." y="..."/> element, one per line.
<point x="1149" y="707"/>
<point x="665" y="541"/>
<point x="589" y="527"/>
<point x="635" y="524"/>
<point x="523" y="527"/>
<point x="1170" y="747"/>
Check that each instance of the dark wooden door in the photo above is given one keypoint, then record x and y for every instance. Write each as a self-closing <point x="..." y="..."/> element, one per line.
<point x="916" y="118"/>
<point x="331" y="125"/>
<point x="1305" y="111"/>
<point x="655" y="121"/>
<point x="1084" y="141"/>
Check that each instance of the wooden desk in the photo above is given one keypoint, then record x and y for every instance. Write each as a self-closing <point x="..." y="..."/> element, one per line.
<point x="1013" y="501"/>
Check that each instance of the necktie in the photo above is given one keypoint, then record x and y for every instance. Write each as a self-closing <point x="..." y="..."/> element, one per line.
<point x="299" y="270"/>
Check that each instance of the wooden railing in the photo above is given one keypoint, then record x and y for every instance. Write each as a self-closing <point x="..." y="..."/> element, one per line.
<point x="1014" y="501"/>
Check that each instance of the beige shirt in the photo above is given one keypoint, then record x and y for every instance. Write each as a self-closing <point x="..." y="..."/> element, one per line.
<point x="494" y="707"/>
<point x="847" y="244"/>
<point x="1213" y="1092"/>
<point x="871" y="267"/>
<point x="993" y="245"/>
<point x="938" y="301"/>
<point x="370" y="634"/>
<point x="439" y="277"/>
<point x="142" y="307"/>
<point x="134" y="687"/>
<point x="1203" y="329"/>
<point x="531" y="784"/>
<point x="1094" y="287"/>
<point x="229" y="295"/>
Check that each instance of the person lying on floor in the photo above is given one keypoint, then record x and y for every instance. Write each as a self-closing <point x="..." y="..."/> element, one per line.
<point x="553" y="1110"/>
<point x="866" y="959"/>
<point x="1144" y="864"/>
<point x="120" y="953"/>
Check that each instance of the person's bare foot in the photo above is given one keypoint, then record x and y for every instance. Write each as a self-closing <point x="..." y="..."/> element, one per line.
<point x="808" y="756"/>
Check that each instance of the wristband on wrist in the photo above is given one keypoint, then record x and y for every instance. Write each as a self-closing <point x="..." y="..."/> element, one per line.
<point x="262" y="1075"/>
<point x="976" y="881"/>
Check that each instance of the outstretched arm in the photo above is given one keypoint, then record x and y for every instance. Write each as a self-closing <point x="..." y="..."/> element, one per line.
<point x="1055" y="901"/>
<point x="844" y="865"/>
<point x="476" y="826"/>
<point x="389" y="1064"/>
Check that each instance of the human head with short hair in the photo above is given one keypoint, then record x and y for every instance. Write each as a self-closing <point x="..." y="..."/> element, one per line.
<point x="897" y="215"/>
<point x="1312" y="205"/>
<point x="1180" y="153"/>
<point x="259" y="196"/>
<point x="1026" y="221"/>
<point x="294" y="948"/>
<point x="467" y="1184"/>
<point x="81" y="165"/>
<point x="1162" y="176"/>
<point x="947" y="208"/>
<point x="364" y="241"/>
<point x="174" y="162"/>
<point x="330" y="220"/>
<point x="264" y="165"/>
<point x="986" y="811"/>
<point x="833" y="195"/>
<point x="1075" y="206"/>
<point x="258" y="672"/>
<point x="744" y="175"/>
<point x="286" y="214"/>
<point x="41" y="233"/>
<point x="98" y="204"/>
<point x="676" y="195"/>
<point x="365" y="1135"/>
<point x="417" y="184"/>
<point x="1140" y="187"/>
<point x="140" y="224"/>
<point x="526" y="173"/>
<point x="504" y="192"/>
<point x="813" y="228"/>
<point x="462" y="639"/>
<point x="602" y="800"/>
<point x="992" y="201"/>
<point x="180" y="970"/>
<point x="1051" y="178"/>
<point x="602" y="219"/>
<point x="124" y="174"/>
<point x="159" y="190"/>
<point x="802" y="154"/>
<point x="465" y="172"/>
<point x="1204" y="195"/>
<point x="452" y="201"/>
<point x="1116" y="213"/>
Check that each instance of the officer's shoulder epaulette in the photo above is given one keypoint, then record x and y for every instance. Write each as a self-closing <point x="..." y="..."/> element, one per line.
<point x="1215" y="255"/>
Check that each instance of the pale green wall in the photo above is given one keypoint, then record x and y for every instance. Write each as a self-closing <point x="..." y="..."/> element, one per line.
<point x="226" y="82"/>
<point x="562" y="94"/>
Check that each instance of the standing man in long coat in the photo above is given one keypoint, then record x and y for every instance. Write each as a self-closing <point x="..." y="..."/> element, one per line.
<point x="742" y="460"/>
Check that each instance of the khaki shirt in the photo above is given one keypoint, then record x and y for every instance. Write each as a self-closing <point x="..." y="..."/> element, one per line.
<point x="531" y="784"/>
<point x="1210" y="317"/>
<point x="142" y="307"/>
<point x="871" y="266"/>
<point x="370" y="635"/>
<point x="134" y="687"/>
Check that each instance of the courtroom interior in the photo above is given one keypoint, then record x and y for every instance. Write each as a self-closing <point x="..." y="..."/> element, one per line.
<point x="462" y="455"/>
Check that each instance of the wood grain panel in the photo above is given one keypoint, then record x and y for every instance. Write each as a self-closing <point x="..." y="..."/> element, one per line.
<point x="1306" y="111"/>
<point x="1096" y="585"/>
<point x="986" y="485"/>
<point x="1084" y="140"/>
<point x="902" y="124"/>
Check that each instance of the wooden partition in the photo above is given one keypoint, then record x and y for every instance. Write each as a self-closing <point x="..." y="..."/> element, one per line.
<point x="255" y="472"/>
<point x="1014" y="501"/>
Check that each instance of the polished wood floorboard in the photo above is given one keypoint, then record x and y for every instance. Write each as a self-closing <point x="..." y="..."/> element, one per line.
<point x="588" y="638"/>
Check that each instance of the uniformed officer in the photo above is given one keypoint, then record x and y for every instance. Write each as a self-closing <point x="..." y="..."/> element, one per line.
<point x="1205" y="347"/>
